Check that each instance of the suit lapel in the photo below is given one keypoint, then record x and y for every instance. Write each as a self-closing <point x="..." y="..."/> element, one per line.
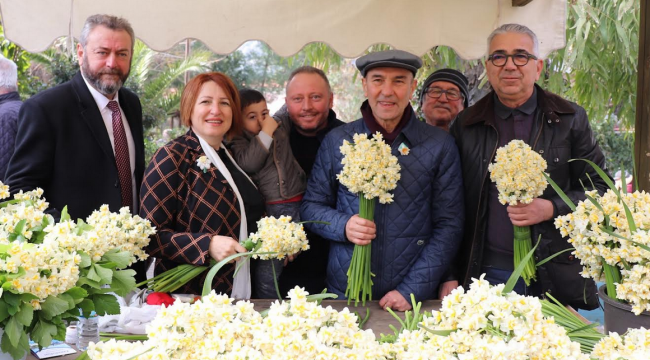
<point x="91" y="115"/>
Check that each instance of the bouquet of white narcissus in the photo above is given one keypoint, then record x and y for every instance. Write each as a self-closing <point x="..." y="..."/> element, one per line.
<point x="485" y="323"/>
<point x="215" y="327"/>
<point x="38" y="290"/>
<point x="610" y="244"/>
<point x="634" y="345"/>
<point x="518" y="172"/>
<point x="46" y="274"/>
<point x="371" y="171"/>
<point x="276" y="238"/>
<point x="107" y="243"/>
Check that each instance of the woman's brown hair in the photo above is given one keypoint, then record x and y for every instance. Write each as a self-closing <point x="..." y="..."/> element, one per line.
<point x="191" y="93"/>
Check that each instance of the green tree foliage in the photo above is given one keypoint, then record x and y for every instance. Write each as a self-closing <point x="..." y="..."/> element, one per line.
<point x="256" y="66"/>
<point x="157" y="79"/>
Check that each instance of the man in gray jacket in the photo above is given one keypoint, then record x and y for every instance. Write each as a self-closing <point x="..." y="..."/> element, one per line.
<point x="309" y="100"/>
<point x="9" y="105"/>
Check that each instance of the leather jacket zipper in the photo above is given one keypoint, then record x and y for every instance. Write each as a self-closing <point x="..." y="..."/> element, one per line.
<point x="478" y="210"/>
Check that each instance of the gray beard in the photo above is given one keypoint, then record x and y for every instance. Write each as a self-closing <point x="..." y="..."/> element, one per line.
<point x="94" y="79"/>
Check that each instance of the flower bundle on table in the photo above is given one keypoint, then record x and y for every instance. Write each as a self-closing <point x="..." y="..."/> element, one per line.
<point x="518" y="172"/>
<point x="485" y="323"/>
<point x="216" y="328"/>
<point x="371" y="171"/>
<point x="47" y="274"/>
<point x="610" y="245"/>
<point x="634" y="345"/>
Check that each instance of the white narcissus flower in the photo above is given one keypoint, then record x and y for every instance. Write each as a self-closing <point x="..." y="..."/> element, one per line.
<point x="216" y="328"/>
<point x="203" y="163"/>
<point x="279" y="236"/>
<point x="585" y="228"/>
<point x="518" y="173"/>
<point x="635" y="345"/>
<point x="488" y="324"/>
<point x="369" y="168"/>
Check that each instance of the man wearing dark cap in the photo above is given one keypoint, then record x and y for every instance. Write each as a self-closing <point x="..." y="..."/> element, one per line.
<point x="415" y="237"/>
<point x="443" y="96"/>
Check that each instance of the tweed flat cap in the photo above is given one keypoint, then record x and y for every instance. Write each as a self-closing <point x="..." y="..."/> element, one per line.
<point x="389" y="58"/>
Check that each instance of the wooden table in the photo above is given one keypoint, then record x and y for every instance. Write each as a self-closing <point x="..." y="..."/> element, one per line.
<point x="379" y="319"/>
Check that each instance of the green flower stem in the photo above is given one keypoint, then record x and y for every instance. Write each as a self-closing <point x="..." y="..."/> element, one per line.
<point x="612" y="277"/>
<point x="522" y="246"/>
<point x="359" y="273"/>
<point x="275" y="280"/>
<point x="586" y="335"/>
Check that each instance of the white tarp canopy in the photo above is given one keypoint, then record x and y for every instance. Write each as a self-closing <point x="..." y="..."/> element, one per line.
<point x="348" y="26"/>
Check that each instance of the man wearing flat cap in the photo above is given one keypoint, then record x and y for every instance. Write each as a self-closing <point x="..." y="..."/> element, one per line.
<point x="443" y="96"/>
<point x="415" y="237"/>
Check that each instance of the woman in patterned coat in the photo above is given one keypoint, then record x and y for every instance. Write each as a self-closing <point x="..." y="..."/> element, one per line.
<point x="200" y="201"/>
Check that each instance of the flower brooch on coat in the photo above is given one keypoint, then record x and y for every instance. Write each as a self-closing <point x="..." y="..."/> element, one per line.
<point x="403" y="149"/>
<point x="204" y="163"/>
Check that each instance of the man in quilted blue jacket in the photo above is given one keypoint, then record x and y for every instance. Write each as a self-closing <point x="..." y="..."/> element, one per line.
<point x="415" y="237"/>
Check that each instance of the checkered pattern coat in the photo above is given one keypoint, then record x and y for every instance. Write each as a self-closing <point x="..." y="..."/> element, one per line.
<point x="188" y="207"/>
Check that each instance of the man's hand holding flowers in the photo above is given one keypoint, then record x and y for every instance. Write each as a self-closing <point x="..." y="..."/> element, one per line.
<point x="360" y="231"/>
<point x="530" y="214"/>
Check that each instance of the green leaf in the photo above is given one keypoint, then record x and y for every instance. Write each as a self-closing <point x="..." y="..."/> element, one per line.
<point x="123" y="282"/>
<point x="18" y="229"/>
<point x="207" y="285"/>
<point x="43" y="332"/>
<point x="82" y="227"/>
<point x="437" y="332"/>
<point x="552" y="256"/>
<point x="14" y="330"/>
<point x="25" y="315"/>
<point x="85" y="260"/>
<point x="69" y="299"/>
<point x="77" y="293"/>
<point x="561" y="193"/>
<point x="619" y="236"/>
<point x="64" y="214"/>
<point x="53" y="306"/>
<point x="106" y="275"/>
<point x="87" y="306"/>
<point x="122" y="259"/>
<point x="92" y="274"/>
<point x="16" y="351"/>
<point x="106" y="304"/>
<point x="21" y="272"/>
<point x="27" y="297"/>
<point x="3" y="311"/>
<point x="12" y="300"/>
<point x="90" y="283"/>
<point x="512" y="280"/>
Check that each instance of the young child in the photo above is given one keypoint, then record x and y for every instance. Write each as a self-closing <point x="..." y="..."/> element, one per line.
<point x="264" y="152"/>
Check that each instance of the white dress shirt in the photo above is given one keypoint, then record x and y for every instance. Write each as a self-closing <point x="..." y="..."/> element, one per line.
<point x="107" y="116"/>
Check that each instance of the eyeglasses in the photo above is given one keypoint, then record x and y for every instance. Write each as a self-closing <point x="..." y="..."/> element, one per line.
<point x="519" y="59"/>
<point x="436" y="92"/>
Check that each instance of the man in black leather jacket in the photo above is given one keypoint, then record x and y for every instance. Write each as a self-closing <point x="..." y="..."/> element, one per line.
<point x="555" y="128"/>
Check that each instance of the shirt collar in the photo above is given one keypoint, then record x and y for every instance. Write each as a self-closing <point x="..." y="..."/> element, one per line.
<point x="101" y="99"/>
<point x="504" y="112"/>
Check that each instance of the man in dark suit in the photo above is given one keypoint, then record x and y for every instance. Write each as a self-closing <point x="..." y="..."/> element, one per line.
<point x="82" y="141"/>
<point x="67" y="142"/>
